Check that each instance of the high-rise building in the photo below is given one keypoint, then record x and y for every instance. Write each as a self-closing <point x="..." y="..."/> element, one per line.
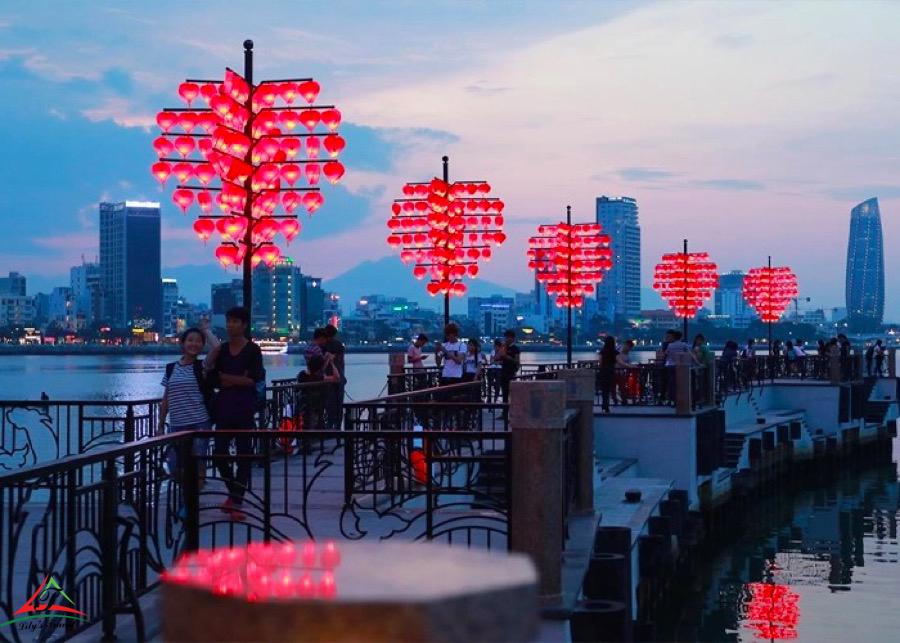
<point x="729" y="303"/>
<point x="312" y="303"/>
<point x="62" y="307"/>
<point x="14" y="284"/>
<point x="224" y="296"/>
<point x="494" y="315"/>
<point x="84" y="280"/>
<point x="276" y="297"/>
<point x="170" y="307"/>
<point x="865" y="268"/>
<point x="130" y="277"/>
<point x="16" y="310"/>
<point x="619" y="294"/>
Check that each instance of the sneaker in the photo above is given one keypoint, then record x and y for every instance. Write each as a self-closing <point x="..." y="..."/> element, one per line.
<point x="237" y="514"/>
<point x="227" y="506"/>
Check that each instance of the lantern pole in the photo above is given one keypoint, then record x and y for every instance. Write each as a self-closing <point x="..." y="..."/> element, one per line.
<point x="248" y="202"/>
<point x="771" y="352"/>
<point x="685" y="322"/>
<point x="569" y="287"/>
<point x="446" y="162"/>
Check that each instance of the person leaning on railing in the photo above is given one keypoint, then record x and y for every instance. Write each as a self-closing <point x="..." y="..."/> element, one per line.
<point x="608" y="356"/>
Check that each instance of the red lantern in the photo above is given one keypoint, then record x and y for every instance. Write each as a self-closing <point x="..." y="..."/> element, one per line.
<point x="290" y="147"/>
<point x="290" y="201"/>
<point x="290" y="228"/>
<point x="161" y="171"/>
<point x="333" y="144"/>
<point x="331" y="118"/>
<point x="310" y="118"/>
<point x="312" y="201"/>
<point x="166" y="121"/>
<point x="163" y="146"/>
<point x="227" y="255"/>
<point x="312" y="173"/>
<point x="333" y="171"/>
<point x="204" y="228"/>
<point x="183" y="198"/>
<point x="189" y="91"/>
<point x="309" y="90"/>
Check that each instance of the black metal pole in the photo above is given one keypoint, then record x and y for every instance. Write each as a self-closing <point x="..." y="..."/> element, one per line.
<point x="685" y="338"/>
<point x="569" y="288"/>
<point x="248" y="201"/>
<point x="771" y="352"/>
<point x="446" y="160"/>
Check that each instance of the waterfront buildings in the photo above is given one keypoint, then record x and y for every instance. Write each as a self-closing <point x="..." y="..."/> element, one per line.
<point x="14" y="284"/>
<point x="170" y="307"/>
<point x="224" y="296"/>
<point x="62" y="308"/>
<point x="865" y="268"/>
<point x="130" y="278"/>
<point x="493" y="315"/>
<point x="16" y="310"/>
<point x="312" y="304"/>
<point x="276" y="297"/>
<point x="619" y="294"/>
<point x="84" y="280"/>
<point x="729" y="303"/>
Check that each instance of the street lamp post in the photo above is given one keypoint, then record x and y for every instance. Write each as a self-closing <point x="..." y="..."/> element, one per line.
<point x="445" y="229"/>
<point x="243" y="161"/>
<point x="569" y="258"/>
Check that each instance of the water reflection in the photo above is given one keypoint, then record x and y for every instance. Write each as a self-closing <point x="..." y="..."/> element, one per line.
<point x="834" y="551"/>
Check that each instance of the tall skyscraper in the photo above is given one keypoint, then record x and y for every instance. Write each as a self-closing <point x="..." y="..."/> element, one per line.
<point x="276" y="297"/>
<point x="865" y="268"/>
<point x="729" y="300"/>
<point x="169" y="307"/>
<point x="85" y="285"/>
<point x="619" y="294"/>
<point x="130" y="264"/>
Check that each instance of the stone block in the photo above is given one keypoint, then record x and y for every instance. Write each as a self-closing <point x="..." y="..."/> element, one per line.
<point x="537" y="405"/>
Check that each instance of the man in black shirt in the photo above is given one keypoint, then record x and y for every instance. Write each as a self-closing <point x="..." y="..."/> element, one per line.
<point x="509" y="355"/>
<point x="238" y="367"/>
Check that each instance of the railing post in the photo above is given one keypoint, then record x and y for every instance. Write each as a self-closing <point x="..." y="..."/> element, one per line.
<point x="709" y="383"/>
<point x="892" y="362"/>
<point x="580" y="395"/>
<point x="190" y="485"/>
<point x="683" y="389"/>
<point x="537" y="421"/>
<point x="128" y="460"/>
<point x="108" y="548"/>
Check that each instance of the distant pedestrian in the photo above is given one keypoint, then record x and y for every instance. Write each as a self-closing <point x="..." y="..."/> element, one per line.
<point x="729" y="364"/>
<point x="879" y="359"/>
<point x="870" y="357"/>
<point x="608" y="359"/>
<point x="510" y="357"/>
<point x="44" y="396"/>
<point x="238" y="368"/>
<point x="415" y="358"/>
<point x="493" y="371"/>
<point x="677" y="352"/>
<point x="316" y="348"/>
<point x="312" y="401"/>
<point x="475" y="362"/>
<point x="627" y="374"/>
<point x="335" y="365"/>
<point x="453" y="352"/>
<point x="702" y="351"/>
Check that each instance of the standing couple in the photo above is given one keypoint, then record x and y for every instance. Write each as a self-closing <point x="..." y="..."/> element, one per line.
<point x="235" y="370"/>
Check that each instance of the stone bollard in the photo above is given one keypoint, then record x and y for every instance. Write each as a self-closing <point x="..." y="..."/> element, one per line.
<point x="580" y="396"/>
<point x="537" y="413"/>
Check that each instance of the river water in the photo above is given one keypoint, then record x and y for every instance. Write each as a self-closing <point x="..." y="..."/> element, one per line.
<point x="820" y="566"/>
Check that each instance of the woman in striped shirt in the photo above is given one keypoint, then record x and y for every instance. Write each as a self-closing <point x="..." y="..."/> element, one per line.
<point x="183" y="400"/>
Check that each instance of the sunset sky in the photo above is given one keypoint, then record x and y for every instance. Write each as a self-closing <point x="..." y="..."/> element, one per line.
<point x="751" y="128"/>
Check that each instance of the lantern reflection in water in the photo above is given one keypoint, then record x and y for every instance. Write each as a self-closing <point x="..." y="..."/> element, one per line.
<point x="772" y="611"/>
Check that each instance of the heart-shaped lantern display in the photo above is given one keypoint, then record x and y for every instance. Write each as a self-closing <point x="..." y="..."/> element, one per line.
<point x="770" y="290"/>
<point x="685" y="280"/>
<point x="256" y="173"/>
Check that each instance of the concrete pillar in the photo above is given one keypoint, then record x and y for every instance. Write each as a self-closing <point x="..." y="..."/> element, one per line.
<point x="396" y="366"/>
<point x="683" y="389"/>
<point x="834" y="369"/>
<point x="580" y="396"/>
<point x="537" y="413"/>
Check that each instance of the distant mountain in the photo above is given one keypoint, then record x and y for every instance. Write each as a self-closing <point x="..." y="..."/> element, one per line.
<point x="389" y="276"/>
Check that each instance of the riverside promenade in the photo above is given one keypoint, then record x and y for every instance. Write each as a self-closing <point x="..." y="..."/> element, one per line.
<point x="435" y="464"/>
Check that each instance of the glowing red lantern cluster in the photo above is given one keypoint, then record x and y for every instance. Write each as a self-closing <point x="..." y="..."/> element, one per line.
<point x="684" y="280"/>
<point x="245" y="137"/>
<point x="770" y="291"/>
<point x="569" y="259"/>
<point x="445" y="229"/>
<point x="773" y="611"/>
<point x="262" y="571"/>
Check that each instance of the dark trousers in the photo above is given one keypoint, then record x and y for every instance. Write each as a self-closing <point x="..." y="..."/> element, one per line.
<point x="335" y="405"/>
<point x="237" y="479"/>
<point x="505" y="379"/>
<point x="607" y="381"/>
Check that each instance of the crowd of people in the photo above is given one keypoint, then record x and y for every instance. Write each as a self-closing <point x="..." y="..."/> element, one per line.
<point x="466" y="362"/>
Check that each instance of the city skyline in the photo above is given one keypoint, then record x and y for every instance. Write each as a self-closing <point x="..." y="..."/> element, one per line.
<point x="719" y="156"/>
